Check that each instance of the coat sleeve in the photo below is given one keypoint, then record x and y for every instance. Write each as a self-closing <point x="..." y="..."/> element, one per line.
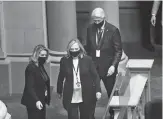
<point x="30" y="83"/>
<point x="155" y="7"/>
<point x="61" y="77"/>
<point x="49" y="92"/>
<point x="95" y="76"/>
<point x="117" y="47"/>
<point x="88" y="44"/>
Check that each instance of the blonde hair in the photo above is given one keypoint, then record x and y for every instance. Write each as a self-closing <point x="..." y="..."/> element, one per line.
<point x="73" y="41"/>
<point x="36" y="52"/>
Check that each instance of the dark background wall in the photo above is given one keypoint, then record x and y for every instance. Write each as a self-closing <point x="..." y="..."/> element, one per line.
<point x="129" y="20"/>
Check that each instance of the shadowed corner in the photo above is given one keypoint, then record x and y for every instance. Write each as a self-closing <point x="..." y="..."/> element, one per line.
<point x="51" y="89"/>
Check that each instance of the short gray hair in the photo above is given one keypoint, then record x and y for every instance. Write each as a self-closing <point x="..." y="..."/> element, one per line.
<point x="98" y="12"/>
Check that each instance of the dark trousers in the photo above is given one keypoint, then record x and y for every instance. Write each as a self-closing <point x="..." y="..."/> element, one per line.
<point x="75" y="108"/>
<point x="109" y="84"/>
<point x="34" y="113"/>
<point x="145" y="16"/>
<point x="158" y="33"/>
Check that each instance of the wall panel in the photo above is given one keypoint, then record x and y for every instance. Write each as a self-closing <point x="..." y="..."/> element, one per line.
<point x="23" y="25"/>
<point x="129" y="20"/>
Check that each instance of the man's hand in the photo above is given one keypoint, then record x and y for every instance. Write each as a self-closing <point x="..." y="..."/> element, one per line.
<point x="39" y="105"/>
<point x="111" y="70"/>
<point x="153" y="20"/>
<point x="98" y="95"/>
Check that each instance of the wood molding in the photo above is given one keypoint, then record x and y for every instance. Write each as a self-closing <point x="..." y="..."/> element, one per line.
<point x="44" y="23"/>
<point x="54" y="56"/>
<point x="2" y="30"/>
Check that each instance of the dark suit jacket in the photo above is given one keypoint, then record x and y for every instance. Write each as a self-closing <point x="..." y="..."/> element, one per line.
<point x="35" y="87"/>
<point x="110" y="47"/>
<point x="90" y="81"/>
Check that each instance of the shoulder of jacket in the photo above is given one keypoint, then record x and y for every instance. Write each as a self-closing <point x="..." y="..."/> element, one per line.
<point x="30" y="67"/>
<point x="64" y="58"/>
<point x="86" y="57"/>
<point x="111" y="27"/>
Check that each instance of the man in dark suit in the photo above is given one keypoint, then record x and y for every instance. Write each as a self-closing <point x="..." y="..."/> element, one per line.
<point x="145" y="15"/>
<point x="104" y="46"/>
<point x="157" y="22"/>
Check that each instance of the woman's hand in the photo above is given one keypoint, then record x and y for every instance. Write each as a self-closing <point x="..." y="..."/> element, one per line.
<point x="39" y="105"/>
<point x="98" y="95"/>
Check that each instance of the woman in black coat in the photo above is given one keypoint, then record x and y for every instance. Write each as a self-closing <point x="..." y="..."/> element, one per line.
<point x="81" y="82"/>
<point x="37" y="85"/>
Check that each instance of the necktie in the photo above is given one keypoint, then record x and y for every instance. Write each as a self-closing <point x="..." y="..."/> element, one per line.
<point x="99" y="34"/>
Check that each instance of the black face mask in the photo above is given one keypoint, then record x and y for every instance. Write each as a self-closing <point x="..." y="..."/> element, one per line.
<point x="41" y="60"/>
<point x="99" y="25"/>
<point x="75" y="54"/>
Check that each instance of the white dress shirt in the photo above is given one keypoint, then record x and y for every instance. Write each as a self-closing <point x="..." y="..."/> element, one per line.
<point x="77" y="91"/>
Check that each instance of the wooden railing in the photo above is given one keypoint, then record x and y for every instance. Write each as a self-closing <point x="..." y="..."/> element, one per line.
<point x="134" y="90"/>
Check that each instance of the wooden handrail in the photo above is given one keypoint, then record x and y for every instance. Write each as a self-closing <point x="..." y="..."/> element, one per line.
<point x="112" y="93"/>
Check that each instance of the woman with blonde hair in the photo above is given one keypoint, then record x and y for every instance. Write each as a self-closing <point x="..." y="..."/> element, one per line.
<point x="37" y="84"/>
<point x="81" y="82"/>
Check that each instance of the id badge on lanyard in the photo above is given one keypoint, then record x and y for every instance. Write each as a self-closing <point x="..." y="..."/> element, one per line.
<point x="97" y="53"/>
<point x="98" y="43"/>
<point x="46" y="93"/>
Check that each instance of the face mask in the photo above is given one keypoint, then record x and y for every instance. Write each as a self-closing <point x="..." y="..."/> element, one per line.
<point x="41" y="60"/>
<point x="99" y="25"/>
<point x="75" y="54"/>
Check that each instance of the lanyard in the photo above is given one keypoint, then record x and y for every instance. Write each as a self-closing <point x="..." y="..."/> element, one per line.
<point x="99" y="38"/>
<point x="76" y="73"/>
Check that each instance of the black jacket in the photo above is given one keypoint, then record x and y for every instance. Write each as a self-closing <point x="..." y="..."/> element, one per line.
<point x="90" y="80"/>
<point x="110" y="47"/>
<point x="35" y="86"/>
